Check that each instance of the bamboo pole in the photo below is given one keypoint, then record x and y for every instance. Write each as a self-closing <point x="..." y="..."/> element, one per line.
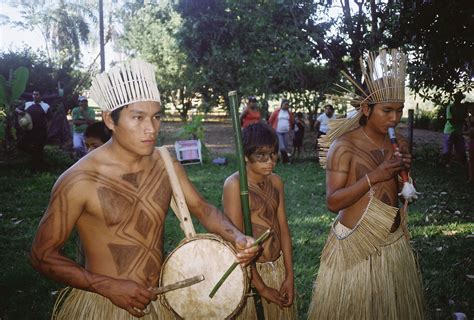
<point x="244" y="188"/>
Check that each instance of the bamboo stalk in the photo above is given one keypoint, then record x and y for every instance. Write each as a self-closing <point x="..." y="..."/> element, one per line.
<point x="244" y="188"/>
<point x="224" y="277"/>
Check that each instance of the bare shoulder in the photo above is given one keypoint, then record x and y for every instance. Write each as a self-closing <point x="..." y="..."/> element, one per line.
<point x="342" y="150"/>
<point x="232" y="181"/>
<point x="276" y="180"/>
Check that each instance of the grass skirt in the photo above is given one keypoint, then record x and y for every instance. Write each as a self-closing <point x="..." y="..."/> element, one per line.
<point x="368" y="272"/>
<point x="273" y="274"/>
<point x="74" y="304"/>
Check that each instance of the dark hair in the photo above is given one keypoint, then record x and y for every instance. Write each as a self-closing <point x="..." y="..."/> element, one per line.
<point x="252" y="99"/>
<point x="329" y="106"/>
<point x="363" y="119"/>
<point x="115" y="115"/>
<point x="299" y="114"/>
<point x="258" y="135"/>
<point x="284" y="101"/>
<point x="98" y="130"/>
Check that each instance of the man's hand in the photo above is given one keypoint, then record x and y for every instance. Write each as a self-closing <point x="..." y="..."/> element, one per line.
<point x="246" y="251"/>
<point x="287" y="291"/>
<point x="387" y="170"/>
<point x="272" y="295"/>
<point x="128" y="295"/>
<point x="405" y="157"/>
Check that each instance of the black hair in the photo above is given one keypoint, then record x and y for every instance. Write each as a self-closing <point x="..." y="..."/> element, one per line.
<point x="364" y="118"/>
<point x="258" y="135"/>
<point x="98" y="130"/>
<point x="299" y="114"/>
<point x="284" y="101"/>
<point x="115" y="114"/>
<point x="252" y="99"/>
<point x="329" y="106"/>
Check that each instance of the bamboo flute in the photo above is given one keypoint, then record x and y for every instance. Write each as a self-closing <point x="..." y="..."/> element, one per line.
<point x="244" y="188"/>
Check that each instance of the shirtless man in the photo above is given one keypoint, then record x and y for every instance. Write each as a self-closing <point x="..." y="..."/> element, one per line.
<point x="367" y="268"/>
<point x="117" y="197"/>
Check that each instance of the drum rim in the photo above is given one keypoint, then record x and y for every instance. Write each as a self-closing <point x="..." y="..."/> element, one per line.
<point x="206" y="236"/>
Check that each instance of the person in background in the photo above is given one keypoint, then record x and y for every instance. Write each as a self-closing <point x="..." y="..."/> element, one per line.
<point x="251" y="114"/>
<point x="82" y="116"/>
<point x="96" y="135"/>
<point x="34" y="137"/>
<point x="299" y="134"/>
<point x="456" y="114"/>
<point x="282" y="121"/>
<point x="321" y="125"/>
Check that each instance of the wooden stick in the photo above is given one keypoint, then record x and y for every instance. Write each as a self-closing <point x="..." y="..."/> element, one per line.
<point x="259" y="241"/>
<point x="178" y="285"/>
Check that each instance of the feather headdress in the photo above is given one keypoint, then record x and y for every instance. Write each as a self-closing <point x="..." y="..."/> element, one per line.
<point x="384" y="79"/>
<point x="126" y="83"/>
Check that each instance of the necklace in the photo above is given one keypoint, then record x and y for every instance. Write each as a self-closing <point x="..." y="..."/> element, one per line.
<point x="373" y="142"/>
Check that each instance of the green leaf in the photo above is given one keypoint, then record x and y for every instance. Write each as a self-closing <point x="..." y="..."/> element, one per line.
<point x="3" y="93"/>
<point x="18" y="83"/>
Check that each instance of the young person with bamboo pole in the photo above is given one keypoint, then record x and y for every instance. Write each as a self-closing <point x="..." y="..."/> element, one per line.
<point x="368" y="269"/>
<point x="272" y="275"/>
<point x="117" y="197"/>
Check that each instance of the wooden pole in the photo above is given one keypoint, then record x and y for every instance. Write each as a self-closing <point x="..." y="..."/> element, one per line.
<point x="101" y="35"/>
<point x="410" y="130"/>
<point x="244" y="188"/>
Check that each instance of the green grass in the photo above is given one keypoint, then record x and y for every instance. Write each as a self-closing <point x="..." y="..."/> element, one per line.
<point x="439" y="224"/>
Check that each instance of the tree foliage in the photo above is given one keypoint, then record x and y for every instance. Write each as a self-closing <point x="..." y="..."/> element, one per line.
<point x="64" y="25"/>
<point x="152" y="34"/>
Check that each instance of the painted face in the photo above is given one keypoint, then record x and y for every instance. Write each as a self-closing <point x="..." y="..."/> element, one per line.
<point x="138" y="127"/>
<point x="384" y="115"/>
<point x="92" y="143"/>
<point x="263" y="160"/>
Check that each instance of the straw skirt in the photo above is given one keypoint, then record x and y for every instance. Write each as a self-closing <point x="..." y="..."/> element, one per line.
<point x="273" y="274"/>
<point x="79" y="304"/>
<point x="368" y="272"/>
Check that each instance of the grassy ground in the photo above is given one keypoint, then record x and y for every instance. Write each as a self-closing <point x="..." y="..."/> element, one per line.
<point x="440" y="222"/>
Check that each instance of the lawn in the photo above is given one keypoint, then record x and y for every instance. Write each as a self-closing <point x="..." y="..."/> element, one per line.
<point x="441" y="223"/>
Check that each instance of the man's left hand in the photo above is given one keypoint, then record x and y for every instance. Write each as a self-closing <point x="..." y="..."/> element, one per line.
<point x="246" y="251"/>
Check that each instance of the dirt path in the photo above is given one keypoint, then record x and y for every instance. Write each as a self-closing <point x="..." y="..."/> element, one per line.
<point x="219" y="136"/>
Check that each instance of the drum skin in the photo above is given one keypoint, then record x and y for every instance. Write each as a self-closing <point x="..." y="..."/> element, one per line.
<point x="211" y="256"/>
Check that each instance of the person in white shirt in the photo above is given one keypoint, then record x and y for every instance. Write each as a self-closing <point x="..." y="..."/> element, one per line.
<point x="321" y="125"/>
<point x="282" y="120"/>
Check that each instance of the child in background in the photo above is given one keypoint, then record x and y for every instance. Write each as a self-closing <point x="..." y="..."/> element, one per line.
<point x="272" y="274"/>
<point x="299" y="134"/>
<point x="96" y="135"/>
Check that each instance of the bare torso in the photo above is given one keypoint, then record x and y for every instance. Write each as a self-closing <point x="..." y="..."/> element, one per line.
<point x="364" y="158"/>
<point x="122" y="224"/>
<point x="264" y="201"/>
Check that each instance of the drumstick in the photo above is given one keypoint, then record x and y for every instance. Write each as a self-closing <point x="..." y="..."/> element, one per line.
<point x="177" y="285"/>
<point x="257" y="242"/>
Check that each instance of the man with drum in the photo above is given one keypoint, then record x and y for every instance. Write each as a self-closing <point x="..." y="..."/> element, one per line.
<point x="117" y="197"/>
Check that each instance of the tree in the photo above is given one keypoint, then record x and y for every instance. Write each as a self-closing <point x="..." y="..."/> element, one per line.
<point x="64" y="25"/>
<point x="152" y="34"/>
<point x="10" y="92"/>
<point x="254" y="47"/>
<point x="439" y="37"/>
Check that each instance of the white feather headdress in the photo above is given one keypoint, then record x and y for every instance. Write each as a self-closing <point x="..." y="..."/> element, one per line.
<point x="126" y="83"/>
<point x="384" y="77"/>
